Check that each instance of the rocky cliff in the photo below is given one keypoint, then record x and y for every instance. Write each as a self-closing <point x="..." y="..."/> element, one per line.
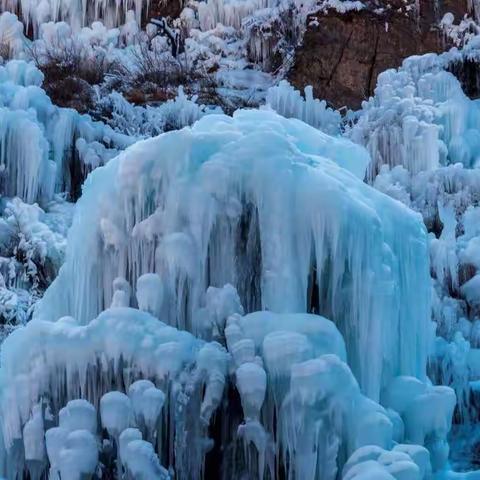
<point x="343" y="53"/>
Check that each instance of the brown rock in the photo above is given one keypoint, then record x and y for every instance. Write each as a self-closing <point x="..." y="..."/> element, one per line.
<point x="165" y="8"/>
<point x="342" y="54"/>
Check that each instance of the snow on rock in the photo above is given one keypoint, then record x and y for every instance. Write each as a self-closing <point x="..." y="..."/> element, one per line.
<point x="148" y="121"/>
<point x="32" y="247"/>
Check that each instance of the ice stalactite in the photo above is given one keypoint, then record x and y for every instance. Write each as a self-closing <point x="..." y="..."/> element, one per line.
<point x="11" y="33"/>
<point x="25" y="164"/>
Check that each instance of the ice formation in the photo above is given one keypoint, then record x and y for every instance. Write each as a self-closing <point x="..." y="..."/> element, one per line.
<point x="184" y="227"/>
<point x="201" y="226"/>
<point x="439" y="179"/>
<point x="120" y="346"/>
<point x="421" y="120"/>
<point x="61" y="140"/>
<point x="235" y="301"/>
<point x="288" y="102"/>
<point x="75" y="12"/>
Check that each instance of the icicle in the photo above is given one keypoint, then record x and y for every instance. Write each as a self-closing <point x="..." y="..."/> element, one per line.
<point x="287" y="101"/>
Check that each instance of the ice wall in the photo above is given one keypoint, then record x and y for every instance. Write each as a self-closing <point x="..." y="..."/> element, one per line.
<point x="254" y="201"/>
<point x="422" y="132"/>
<point x="113" y="12"/>
<point x="233" y="13"/>
<point x="162" y="395"/>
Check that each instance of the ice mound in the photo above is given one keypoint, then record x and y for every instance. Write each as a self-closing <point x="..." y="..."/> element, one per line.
<point x="266" y="204"/>
<point x="406" y="462"/>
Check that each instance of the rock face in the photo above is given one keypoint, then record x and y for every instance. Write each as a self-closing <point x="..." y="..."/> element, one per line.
<point x="165" y="8"/>
<point x="343" y="53"/>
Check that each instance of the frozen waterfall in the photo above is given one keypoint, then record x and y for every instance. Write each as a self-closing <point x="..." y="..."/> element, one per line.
<point x="232" y="201"/>
<point x="235" y="302"/>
